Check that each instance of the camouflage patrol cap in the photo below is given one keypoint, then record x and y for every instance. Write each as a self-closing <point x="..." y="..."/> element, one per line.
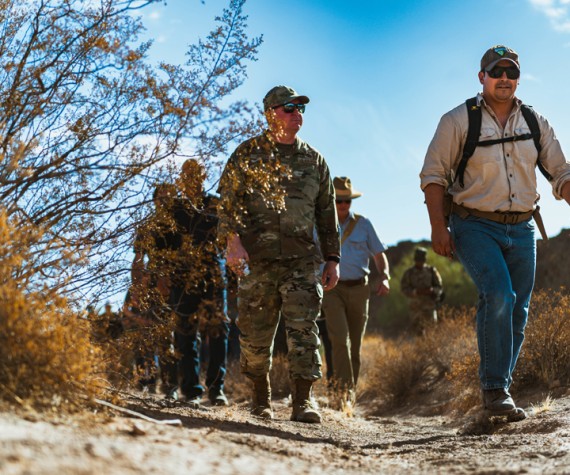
<point x="420" y="254"/>
<point x="280" y="95"/>
<point x="498" y="53"/>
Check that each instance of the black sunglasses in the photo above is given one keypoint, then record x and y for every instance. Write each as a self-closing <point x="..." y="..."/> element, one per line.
<point x="497" y="72"/>
<point x="338" y="202"/>
<point x="290" y="107"/>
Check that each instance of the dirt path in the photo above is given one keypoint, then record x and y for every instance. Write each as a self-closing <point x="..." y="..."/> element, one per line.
<point x="230" y="441"/>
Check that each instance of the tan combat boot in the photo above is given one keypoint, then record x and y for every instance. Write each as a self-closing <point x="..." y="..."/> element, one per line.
<point x="303" y="408"/>
<point x="262" y="397"/>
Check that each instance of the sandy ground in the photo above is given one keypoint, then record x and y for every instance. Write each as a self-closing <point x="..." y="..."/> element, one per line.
<point x="212" y="440"/>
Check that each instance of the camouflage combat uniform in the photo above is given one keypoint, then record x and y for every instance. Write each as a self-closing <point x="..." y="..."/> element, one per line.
<point x="423" y="311"/>
<point x="284" y="277"/>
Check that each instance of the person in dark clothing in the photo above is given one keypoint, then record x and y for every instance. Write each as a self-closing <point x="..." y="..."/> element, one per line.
<point x="198" y="288"/>
<point x="150" y="289"/>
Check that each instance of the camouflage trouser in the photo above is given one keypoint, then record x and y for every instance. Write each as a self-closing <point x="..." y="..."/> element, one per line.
<point x="280" y="288"/>
<point x="423" y="315"/>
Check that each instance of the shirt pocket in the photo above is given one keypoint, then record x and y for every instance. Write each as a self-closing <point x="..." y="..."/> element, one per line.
<point x="358" y="242"/>
<point x="487" y="153"/>
<point x="525" y="150"/>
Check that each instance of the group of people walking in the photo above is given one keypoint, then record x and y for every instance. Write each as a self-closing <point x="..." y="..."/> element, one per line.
<point x="287" y="230"/>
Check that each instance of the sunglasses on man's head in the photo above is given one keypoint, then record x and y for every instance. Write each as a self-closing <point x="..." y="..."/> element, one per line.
<point x="290" y="107"/>
<point x="339" y="202"/>
<point x="497" y="72"/>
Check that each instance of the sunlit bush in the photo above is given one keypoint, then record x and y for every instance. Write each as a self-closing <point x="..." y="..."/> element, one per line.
<point x="545" y="357"/>
<point x="444" y="363"/>
<point x="46" y="355"/>
<point x="395" y="371"/>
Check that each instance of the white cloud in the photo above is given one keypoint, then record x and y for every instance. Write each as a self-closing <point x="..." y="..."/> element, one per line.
<point x="529" y="77"/>
<point x="155" y="15"/>
<point x="557" y="11"/>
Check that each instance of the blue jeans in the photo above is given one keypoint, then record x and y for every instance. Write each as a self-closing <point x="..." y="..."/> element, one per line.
<point x="501" y="260"/>
<point x="188" y="343"/>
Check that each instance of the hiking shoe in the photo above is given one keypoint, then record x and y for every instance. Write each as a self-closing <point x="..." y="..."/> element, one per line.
<point x="192" y="401"/>
<point x="172" y="395"/>
<point x="518" y="415"/>
<point x="499" y="402"/>
<point x="264" y="412"/>
<point x="218" y="398"/>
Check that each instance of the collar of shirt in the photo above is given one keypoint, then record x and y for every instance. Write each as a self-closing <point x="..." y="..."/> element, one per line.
<point x="349" y="218"/>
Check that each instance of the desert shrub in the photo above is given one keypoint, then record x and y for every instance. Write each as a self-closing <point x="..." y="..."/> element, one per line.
<point x="463" y="380"/>
<point x="396" y="370"/>
<point x="46" y="354"/>
<point x="545" y="357"/>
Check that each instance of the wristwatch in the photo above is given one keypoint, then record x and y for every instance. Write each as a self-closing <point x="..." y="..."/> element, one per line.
<point x="334" y="259"/>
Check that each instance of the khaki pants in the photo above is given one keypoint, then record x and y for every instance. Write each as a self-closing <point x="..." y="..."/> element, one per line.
<point x="346" y="312"/>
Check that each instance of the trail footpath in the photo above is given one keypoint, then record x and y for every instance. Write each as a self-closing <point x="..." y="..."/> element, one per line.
<point x="228" y="440"/>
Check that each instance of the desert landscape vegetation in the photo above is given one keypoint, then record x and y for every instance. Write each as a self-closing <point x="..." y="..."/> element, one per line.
<point x="87" y="128"/>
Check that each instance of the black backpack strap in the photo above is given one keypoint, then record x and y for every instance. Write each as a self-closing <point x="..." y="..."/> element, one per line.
<point x="474" y="115"/>
<point x="474" y="130"/>
<point x="532" y="122"/>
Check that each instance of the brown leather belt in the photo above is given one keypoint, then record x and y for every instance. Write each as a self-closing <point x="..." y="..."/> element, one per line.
<point x="504" y="218"/>
<point x="353" y="283"/>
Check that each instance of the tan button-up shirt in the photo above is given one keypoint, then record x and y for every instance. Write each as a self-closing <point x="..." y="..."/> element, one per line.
<point x="499" y="177"/>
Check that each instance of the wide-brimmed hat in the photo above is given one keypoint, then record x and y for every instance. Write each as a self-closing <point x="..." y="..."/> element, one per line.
<point x="343" y="188"/>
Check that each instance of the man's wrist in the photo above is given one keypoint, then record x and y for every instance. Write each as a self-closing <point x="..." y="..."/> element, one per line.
<point x="333" y="258"/>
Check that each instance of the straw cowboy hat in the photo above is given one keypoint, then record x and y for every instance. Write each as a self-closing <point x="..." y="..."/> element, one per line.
<point x="343" y="188"/>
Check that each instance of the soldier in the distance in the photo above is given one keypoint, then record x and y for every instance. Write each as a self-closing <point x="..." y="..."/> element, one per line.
<point x="423" y="286"/>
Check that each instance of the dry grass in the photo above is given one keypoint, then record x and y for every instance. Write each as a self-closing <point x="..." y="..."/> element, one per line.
<point x="545" y="406"/>
<point x="443" y="365"/>
<point x="396" y="372"/>
<point x="46" y="355"/>
<point x="545" y="358"/>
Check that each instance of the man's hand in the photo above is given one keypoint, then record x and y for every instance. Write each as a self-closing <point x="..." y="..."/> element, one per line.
<point x="236" y="255"/>
<point x="383" y="287"/>
<point x="330" y="275"/>
<point x="441" y="241"/>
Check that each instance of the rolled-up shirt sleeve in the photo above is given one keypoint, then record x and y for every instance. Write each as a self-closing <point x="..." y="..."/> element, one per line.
<point x="444" y="151"/>
<point x="552" y="157"/>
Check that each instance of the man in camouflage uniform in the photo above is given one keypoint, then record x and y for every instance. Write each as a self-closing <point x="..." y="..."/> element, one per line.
<point x="423" y="286"/>
<point x="274" y="191"/>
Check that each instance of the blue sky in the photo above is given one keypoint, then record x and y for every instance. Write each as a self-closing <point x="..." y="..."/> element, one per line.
<point x="380" y="73"/>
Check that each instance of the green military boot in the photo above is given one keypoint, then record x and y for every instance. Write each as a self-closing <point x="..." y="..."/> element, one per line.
<point x="262" y="397"/>
<point x="303" y="407"/>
